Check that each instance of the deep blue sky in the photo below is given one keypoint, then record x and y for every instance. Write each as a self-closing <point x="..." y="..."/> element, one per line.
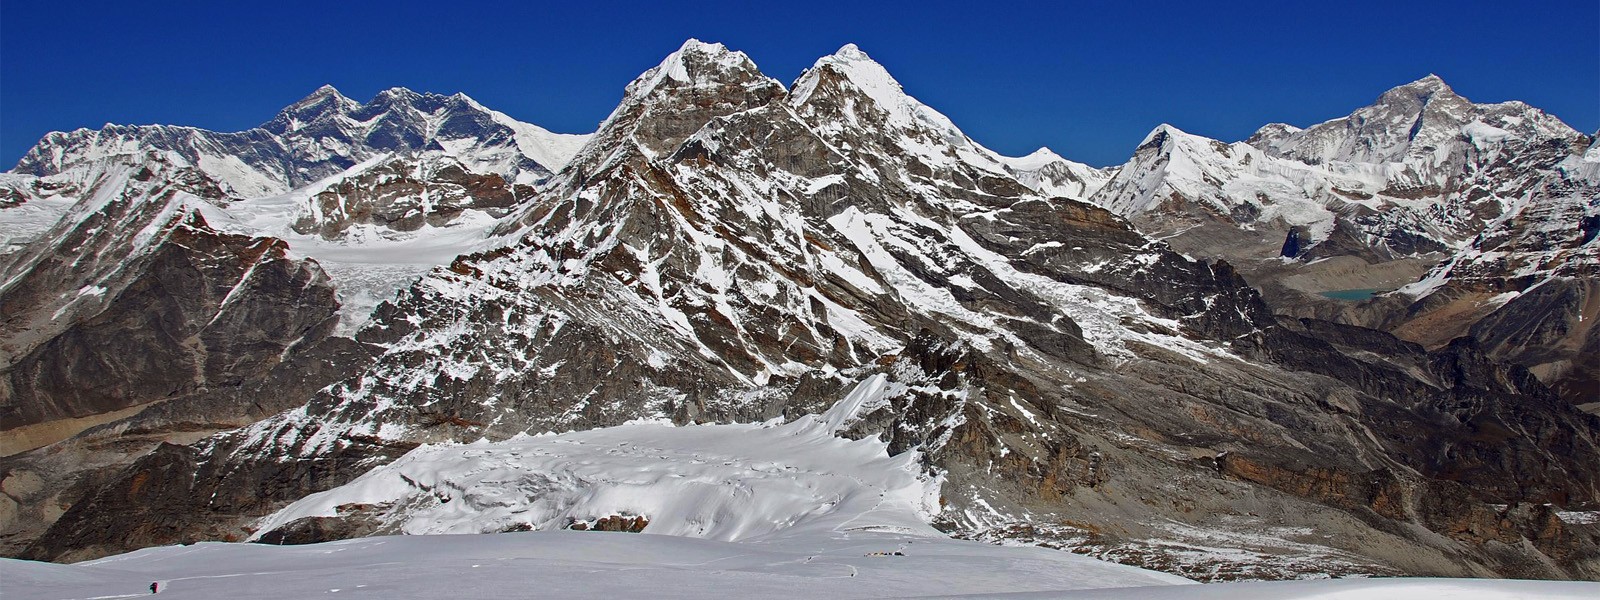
<point x="1087" y="79"/>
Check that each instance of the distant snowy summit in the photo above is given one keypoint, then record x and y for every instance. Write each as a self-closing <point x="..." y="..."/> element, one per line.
<point x="322" y="135"/>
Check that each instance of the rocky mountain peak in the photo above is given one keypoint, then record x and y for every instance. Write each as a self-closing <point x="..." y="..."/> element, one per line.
<point x="326" y="101"/>
<point x="398" y="94"/>
<point x="851" y="99"/>
<point x="668" y="103"/>
<point x="1420" y="122"/>
<point x="1271" y="131"/>
<point x="1429" y="96"/>
<point x="1425" y="87"/>
<point x="321" y="95"/>
<point x="851" y="65"/>
<point x="696" y="63"/>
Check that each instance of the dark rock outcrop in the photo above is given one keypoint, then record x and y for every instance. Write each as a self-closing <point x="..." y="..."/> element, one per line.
<point x="142" y="300"/>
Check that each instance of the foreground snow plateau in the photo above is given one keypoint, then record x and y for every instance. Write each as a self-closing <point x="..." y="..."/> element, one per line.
<point x="571" y="564"/>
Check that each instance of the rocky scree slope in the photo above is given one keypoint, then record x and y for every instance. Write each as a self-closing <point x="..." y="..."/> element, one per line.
<point x="726" y="249"/>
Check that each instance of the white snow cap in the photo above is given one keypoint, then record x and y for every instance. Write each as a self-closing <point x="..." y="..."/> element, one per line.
<point x="1037" y="160"/>
<point x="875" y="81"/>
<point x="695" y="45"/>
<point x="851" y="52"/>
<point x="866" y="73"/>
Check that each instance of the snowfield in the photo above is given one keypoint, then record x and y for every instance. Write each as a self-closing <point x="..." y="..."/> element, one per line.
<point x="723" y="482"/>
<point x="574" y="564"/>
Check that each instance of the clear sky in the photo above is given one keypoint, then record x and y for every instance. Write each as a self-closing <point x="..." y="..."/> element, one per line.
<point x="1088" y="79"/>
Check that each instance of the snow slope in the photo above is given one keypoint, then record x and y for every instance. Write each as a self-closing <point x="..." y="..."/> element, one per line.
<point x="620" y="565"/>
<point x="369" y="263"/>
<point x="574" y="565"/>
<point x="1048" y="173"/>
<point x="724" y="482"/>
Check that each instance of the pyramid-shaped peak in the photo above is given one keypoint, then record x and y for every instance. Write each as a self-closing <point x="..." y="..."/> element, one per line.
<point x="1168" y="138"/>
<point x="322" y="94"/>
<point x="858" y="68"/>
<point x="696" y="51"/>
<point x="324" y="101"/>
<point x="1431" y="81"/>
<point x="1161" y="133"/>
<point x="847" y="55"/>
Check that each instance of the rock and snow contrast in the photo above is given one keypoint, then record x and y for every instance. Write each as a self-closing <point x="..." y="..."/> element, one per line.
<point x="1457" y="207"/>
<point x="777" y="328"/>
<point x="727" y="482"/>
<point x="768" y="510"/>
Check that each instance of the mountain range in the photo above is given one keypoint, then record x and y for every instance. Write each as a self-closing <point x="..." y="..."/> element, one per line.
<point x="1153" y="363"/>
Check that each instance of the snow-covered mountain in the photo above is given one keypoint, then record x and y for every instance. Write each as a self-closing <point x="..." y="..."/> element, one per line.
<point x="392" y="187"/>
<point x="1421" y="188"/>
<point x="162" y="283"/>
<point x="1047" y="173"/>
<point x="728" y="249"/>
<point x="133" y="296"/>
<point x="1421" y="170"/>
<point x="322" y="135"/>
<point x="1525" y="285"/>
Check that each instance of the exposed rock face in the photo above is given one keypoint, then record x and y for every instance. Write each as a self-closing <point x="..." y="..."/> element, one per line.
<point x="1525" y="286"/>
<point x="407" y="193"/>
<point x="1551" y="329"/>
<point x="726" y="249"/>
<point x="64" y="473"/>
<point x="137" y="320"/>
<point x="622" y="523"/>
<point x="135" y="299"/>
